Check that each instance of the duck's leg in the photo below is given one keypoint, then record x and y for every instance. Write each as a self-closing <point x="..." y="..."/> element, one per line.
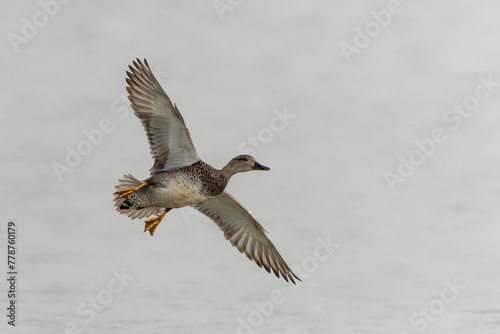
<point x="129" y="191"/>
<point x="152" y="224"/>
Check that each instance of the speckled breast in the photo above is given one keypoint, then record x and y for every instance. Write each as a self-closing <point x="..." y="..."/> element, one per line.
<point x="187" y="186"/>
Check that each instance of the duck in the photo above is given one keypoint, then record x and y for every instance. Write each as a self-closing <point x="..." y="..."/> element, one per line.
<point x="179" y="178"/>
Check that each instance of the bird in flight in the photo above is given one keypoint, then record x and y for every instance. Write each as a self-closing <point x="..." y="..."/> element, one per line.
<point x="180" y="178"/>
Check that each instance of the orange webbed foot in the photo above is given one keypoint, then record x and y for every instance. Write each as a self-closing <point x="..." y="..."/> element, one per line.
<point x="129" y="191"/>
<point x="152" y="223"/>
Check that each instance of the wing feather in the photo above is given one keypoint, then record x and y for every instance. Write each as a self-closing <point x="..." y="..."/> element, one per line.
<point x="245" y="233"/>
<point x="168" y="136"/>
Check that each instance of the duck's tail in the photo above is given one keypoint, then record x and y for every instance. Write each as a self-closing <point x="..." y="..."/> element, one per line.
<point x="125" y="188"/>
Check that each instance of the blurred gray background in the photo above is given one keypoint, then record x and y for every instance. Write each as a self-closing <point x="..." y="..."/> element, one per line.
<point x="418" y="257"/>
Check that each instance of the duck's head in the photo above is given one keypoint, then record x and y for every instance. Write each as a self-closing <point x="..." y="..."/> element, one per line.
<point x="243" y="163"/>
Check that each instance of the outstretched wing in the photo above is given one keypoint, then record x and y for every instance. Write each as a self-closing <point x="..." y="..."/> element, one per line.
<point x="245" y="233"/>
<point x="168" y="135"/>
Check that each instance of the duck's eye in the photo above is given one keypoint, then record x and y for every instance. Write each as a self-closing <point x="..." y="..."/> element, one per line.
<point x="243" y="159"/>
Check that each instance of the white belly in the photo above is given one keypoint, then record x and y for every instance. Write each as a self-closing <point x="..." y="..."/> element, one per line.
<point x="178" y="192"/>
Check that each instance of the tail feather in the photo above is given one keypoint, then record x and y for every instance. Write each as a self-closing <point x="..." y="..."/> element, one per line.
<point x="125" y="207"/>
<point x="128" y="181"/>
<point x="126" y="204"/>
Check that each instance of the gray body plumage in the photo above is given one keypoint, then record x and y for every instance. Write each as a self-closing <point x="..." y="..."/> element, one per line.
<point x="180" y="187"/>
<point x="180" y="178"/>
